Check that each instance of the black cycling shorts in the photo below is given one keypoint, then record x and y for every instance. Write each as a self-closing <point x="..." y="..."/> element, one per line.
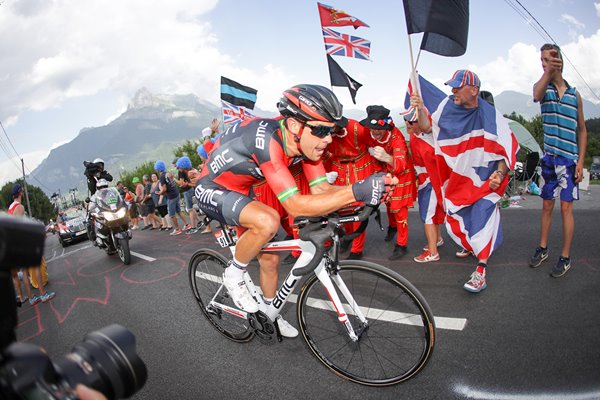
<point x="219" y="203"/>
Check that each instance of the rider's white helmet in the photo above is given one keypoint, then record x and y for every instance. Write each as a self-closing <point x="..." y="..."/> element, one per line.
<point x="99" y="160"/>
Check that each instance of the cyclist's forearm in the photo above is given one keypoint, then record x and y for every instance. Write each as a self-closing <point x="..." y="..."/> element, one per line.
<point x="319" y="204"/>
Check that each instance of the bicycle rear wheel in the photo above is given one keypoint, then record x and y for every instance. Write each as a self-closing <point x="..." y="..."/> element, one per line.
<point x="205" y="271"/>
<point x="396" y="343"/>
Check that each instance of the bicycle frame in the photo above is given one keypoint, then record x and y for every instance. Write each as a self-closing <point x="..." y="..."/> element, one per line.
<point x="323" y="272"/>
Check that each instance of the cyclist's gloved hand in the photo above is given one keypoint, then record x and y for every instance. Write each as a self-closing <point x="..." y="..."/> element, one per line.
<point x="331" y="177"/>
<point x="373" y="189"/>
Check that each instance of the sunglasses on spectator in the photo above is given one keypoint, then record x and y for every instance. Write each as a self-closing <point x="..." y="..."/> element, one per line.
<point x="320" y="131"/>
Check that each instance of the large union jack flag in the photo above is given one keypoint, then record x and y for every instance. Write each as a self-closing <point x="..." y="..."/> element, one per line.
<point x="469" y="143"/>
<point x="341" y="44"/>
<point x="233" y="114"/>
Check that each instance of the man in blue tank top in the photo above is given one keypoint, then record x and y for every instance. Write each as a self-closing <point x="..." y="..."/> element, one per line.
<point x="565" y="141"/>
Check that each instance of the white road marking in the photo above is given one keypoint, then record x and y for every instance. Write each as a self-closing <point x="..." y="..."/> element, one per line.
<point x="143" y="257"/>
<point x="63" y="254"/>
<point x="454" y="324"/>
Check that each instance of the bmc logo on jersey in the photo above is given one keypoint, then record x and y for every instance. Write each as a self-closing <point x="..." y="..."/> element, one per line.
<point x="206" y="196"/>
<point x="260" y="135"/>
<point x="219" y="161"/>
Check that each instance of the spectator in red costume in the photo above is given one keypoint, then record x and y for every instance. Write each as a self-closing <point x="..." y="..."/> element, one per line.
<point x="349" y="158"/>
<point x="388" y="146"/>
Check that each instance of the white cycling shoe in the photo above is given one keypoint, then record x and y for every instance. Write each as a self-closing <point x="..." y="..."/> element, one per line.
<point x="285" y="328"/>
<point x="239" y="293"/>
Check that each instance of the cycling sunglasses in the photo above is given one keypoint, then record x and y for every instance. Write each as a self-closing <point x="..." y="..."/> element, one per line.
<point x="320" y="131"/>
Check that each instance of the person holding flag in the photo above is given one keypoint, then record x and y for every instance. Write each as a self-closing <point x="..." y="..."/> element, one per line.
<point x="475" y="149"/>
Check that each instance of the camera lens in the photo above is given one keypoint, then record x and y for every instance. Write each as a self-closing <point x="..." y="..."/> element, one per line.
<point x="105" y="360"/>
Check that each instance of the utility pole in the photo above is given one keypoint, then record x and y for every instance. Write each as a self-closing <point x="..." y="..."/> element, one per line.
<point x="25" y="188"/>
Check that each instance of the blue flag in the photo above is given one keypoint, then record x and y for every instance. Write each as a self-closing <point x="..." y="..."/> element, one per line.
<point x="237" y="94"/>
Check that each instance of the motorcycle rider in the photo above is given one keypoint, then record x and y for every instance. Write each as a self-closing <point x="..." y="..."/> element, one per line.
<point x="94" y="171"/>
<point x="101" y="184"/>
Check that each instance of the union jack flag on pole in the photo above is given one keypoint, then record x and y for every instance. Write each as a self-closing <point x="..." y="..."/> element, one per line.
<point x="233" y="114"/>
<point x="341" y="44"/>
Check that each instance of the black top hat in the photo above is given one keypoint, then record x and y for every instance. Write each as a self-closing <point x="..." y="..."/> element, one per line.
<point x="378" y="117"/>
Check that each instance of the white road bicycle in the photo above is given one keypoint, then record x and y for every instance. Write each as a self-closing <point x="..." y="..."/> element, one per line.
<point x="363" y="321"/>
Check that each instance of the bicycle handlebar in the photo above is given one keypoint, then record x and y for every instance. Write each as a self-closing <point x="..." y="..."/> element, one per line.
<point x="318" y="230"/>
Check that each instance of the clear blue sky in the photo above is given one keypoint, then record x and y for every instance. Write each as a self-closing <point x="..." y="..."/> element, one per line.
<point x="70" y="64"/>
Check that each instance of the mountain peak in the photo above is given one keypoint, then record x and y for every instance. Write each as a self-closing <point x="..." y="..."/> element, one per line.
<point x="142" y="98"/>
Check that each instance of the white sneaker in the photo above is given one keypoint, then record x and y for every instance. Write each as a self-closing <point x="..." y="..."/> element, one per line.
<point x="285" y="328"/>
<point x="239" y="293"/>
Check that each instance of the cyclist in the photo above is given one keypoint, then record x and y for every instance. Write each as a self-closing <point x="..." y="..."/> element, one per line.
<point x="263" y="149"/>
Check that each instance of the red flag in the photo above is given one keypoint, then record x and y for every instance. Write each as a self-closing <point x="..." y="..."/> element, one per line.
<point x="333" y="17"/>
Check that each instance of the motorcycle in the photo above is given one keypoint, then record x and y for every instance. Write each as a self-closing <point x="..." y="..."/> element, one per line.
<point x="108" y="212"/>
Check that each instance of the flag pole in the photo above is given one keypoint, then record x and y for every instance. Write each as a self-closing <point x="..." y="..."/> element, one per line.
<point x="413" y="76"/>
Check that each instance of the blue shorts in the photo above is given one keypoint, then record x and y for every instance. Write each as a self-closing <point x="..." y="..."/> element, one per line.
<point x="558" y="178"/>
<point x="188" y="196"/>
<point x="173" y="206"/>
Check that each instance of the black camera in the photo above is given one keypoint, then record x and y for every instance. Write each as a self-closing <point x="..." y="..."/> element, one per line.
<point x="106" y="359"/>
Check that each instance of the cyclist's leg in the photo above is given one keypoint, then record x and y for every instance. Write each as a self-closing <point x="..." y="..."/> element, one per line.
<point x="261" y="223"/>
<point x="269" y="276"/>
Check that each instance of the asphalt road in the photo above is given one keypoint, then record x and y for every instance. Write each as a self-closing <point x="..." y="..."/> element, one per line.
<point x="528" y="336"/>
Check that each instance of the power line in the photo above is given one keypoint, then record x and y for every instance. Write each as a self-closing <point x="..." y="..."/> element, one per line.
<point x="551" y="39"/>
<point x="6" y="151"/>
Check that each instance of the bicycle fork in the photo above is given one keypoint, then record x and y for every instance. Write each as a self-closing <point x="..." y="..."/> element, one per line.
<point x="326" y="281"/>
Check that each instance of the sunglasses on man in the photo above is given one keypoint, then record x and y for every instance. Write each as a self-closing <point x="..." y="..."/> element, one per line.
<point x="320" y="131"/>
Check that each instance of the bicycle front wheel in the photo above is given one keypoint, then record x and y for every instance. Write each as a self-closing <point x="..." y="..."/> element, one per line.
<point x="205" y="272"/>
<point x="393" y="345"/>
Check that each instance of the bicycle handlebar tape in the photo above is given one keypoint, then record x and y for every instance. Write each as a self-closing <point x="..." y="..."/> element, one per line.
<point x="317" y="234"/>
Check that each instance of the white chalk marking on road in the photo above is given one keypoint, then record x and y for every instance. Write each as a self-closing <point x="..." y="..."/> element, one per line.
<point x="143" y="257"/>
<point x="454" y="324"/>
<point x="63" y="254"/>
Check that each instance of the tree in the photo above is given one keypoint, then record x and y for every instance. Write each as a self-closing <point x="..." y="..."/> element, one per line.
<point x="189" y="148"/>
<point x="41" y="207"/>
<point x="127" y="176"/>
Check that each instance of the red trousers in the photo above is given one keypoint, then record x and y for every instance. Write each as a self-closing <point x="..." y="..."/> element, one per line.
<point x="399" y="220"/>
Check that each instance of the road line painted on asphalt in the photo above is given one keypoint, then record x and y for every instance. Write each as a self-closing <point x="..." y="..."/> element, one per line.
<point x="493" y="394"/>
<point x="454" y="324"/>
<point x="143" y="257"/>
<point x="69" y="253"/>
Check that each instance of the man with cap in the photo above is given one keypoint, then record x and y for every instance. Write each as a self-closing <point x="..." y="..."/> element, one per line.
<point x="431" y="208"/>
<point x="16" y="209"/>
<point x="347" y="156"/>
<point x="475" y="149"/>
<point x="388" y="146"/>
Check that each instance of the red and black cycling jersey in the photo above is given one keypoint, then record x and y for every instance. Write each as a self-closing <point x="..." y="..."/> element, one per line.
<point x="252" y="151"/>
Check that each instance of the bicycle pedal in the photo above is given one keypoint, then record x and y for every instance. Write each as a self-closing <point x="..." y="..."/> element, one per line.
<point x="264" y="329"/>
